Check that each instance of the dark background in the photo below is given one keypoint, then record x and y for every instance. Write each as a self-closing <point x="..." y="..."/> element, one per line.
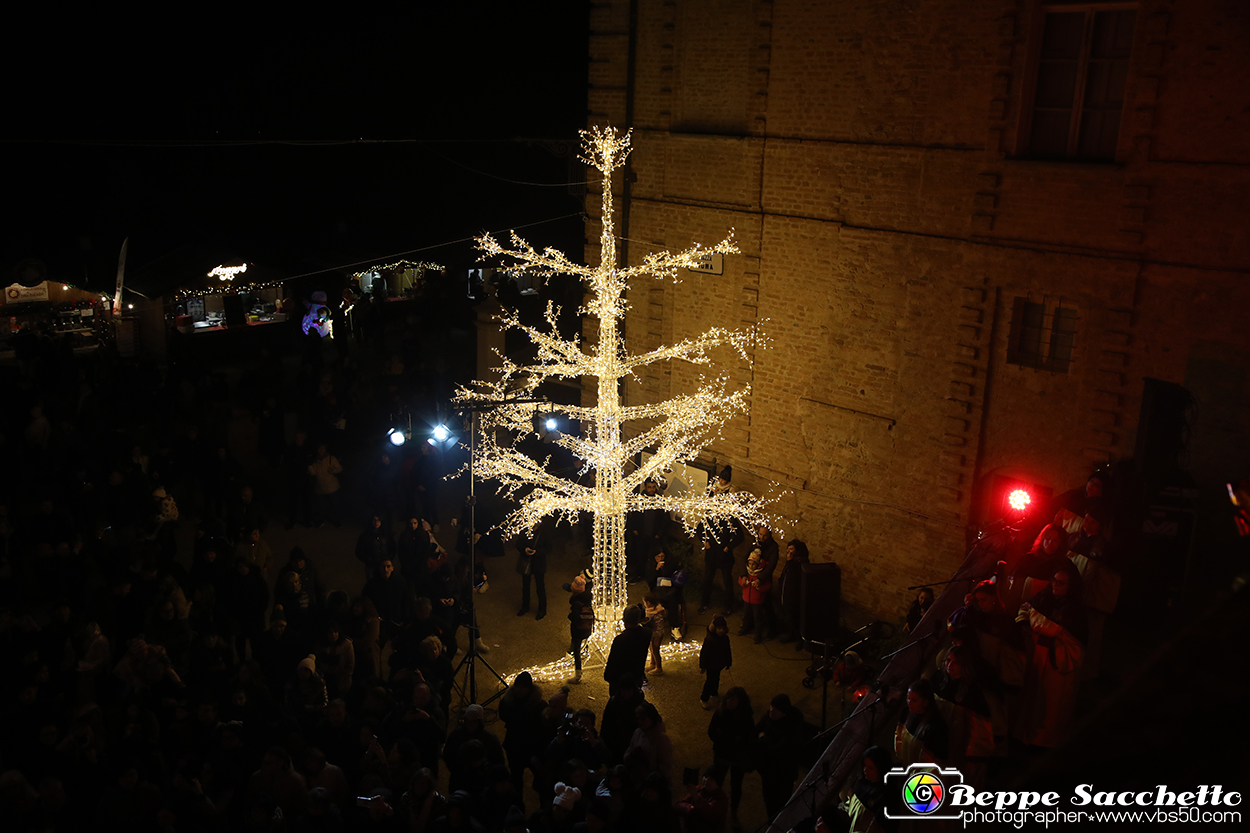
<point x="239" y="133"/>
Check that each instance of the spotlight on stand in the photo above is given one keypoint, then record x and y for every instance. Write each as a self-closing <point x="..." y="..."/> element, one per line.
<point x="547" y="427"/>
<point x="396" y="436"/>
<point x="440" y="434"/>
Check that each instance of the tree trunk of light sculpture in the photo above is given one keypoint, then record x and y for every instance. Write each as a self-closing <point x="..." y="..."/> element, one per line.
<point x="676" y="429"/>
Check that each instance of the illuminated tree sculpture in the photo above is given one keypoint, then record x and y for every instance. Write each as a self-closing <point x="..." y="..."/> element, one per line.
<point x="675" y="430"/>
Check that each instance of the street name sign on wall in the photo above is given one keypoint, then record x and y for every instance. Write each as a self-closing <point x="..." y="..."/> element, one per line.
<point x="711" y="263"/>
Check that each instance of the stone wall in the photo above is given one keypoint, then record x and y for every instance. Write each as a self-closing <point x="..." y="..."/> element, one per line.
<point x="868" y="157"/>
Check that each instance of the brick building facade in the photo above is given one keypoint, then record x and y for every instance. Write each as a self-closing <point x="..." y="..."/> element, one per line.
<point x="961" y="279"/>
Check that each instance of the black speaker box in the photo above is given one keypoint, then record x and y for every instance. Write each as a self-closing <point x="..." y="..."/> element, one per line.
<point x="820" y="605"/>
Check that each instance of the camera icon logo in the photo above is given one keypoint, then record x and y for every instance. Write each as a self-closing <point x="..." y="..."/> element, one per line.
<point x="923" y="790"/>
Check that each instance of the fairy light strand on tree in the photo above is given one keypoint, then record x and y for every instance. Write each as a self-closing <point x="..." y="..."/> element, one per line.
<point x="676" y="429"/>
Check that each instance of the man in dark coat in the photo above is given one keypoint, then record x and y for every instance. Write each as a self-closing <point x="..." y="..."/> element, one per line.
<point x="374" y="544"/>
<point x="644" y="531"/>
<point x="532" y="548"/>
<point x="416" y="543"/>
<point x="782" y="733"/>
<point x="789" y="590"/>
<point x="392" y="596"/>
<point x="719" y="540"/>
<point x="628" y="656"/>
<point x="246" y="601"/>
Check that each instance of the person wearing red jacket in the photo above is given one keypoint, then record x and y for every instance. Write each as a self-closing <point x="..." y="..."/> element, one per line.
<point x="756" y="587"/>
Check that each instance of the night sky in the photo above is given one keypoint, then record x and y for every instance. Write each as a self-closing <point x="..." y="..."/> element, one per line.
<point x="234" y="134"/>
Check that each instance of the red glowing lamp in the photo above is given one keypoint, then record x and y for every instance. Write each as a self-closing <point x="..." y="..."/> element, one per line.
<point x="1019" y="500"/>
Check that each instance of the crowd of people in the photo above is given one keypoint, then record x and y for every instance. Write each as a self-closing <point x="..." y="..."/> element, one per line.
<point x="1005" y="682"/>
<point x="167" y="669"/>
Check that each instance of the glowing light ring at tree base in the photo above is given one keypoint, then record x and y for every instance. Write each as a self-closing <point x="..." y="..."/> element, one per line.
<point x="1019" y="500"/>
<point x="675" y="430"/>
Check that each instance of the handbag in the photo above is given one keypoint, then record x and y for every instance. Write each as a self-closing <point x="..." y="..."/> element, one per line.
<point x="524" y="564"/>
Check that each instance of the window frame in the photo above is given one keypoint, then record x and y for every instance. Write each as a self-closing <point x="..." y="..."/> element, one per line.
<point x="1024" y="132"/>
<point x="1049" y="338"/>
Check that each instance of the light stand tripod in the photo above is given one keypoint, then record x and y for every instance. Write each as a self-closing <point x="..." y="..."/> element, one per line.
<point x="472" y="657"/>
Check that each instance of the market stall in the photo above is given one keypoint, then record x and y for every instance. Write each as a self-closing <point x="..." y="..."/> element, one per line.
<point x="54" y="315"/>
<point x="232" y="295"/>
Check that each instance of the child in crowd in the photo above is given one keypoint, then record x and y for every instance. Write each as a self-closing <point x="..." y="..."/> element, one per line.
<point x="715" y="656"/>
<point x="657" y="618"/>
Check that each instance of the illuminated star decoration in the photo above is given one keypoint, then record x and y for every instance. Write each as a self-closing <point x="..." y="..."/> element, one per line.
<point x="675" y="430"/>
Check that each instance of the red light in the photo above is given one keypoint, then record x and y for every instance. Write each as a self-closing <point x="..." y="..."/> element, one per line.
<point x="1019" y="500"/>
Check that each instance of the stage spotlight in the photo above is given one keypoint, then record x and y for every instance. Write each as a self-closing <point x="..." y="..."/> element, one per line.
<point x="440" y="433"/>
<point x="1019" y="500"/>
<point x="396" y="436"/>
<point x="546" y="427"/>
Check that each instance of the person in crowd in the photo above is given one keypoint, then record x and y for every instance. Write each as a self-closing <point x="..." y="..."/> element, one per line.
<point x="655" y="618"/>
<point x="521" y="710"/>
<point x="962" y="700"/>
<point x="1072" y="506"/>
<point x="645" y="532"/>
<point x="666" y="576"/>
<point x="306" y="692"/>
<point x="257" y="552"/>
<point x="290" y="595"/>
<point x="628" y="655"/>
<point x="1092" y="554"/>
<point x="1056" y="625"/>
<point x="297" y="460"/>
<point x="755" y="594"/>
<point x="620" y="717"/>
<point x="581" y="621"/>
<point x="733" y="735"/>
<point x="919" y="607"/>
<point x="651" y="739"/>
<point x="718" y="540"/>
<point x="780" y="737"/>
<point x="769" y="552"/>
<point x="374" y="544"/>
<point x="246" y="514"/>
<point x="415" y="546"/>
<point x="532" y="549"/>
<point x="921" y="735"/>
<point x="789" y="591"/>
<point x="383" y="490"/>
<point x="714" y="657"/>
<point x="1035" y="567"/>
<point x="299" y="563"/>
<point x="469" y="746"/>
<point x="246" y="601"/>
<point x="706" y="807"/>
<point x="869" y="800"/>
<point x="336" y="657"/>
<point x="325" y="469"/>
<point x="391" y="596"/>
